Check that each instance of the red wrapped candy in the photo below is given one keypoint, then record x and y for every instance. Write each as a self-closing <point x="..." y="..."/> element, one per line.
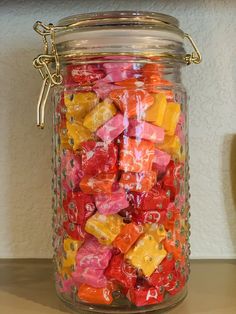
<point x="84" y="74"/>
<point x="145" y="296"/>
<point x="98" y="157"/>
<point x="78" y="206"/>
<point x="121" y="271"/>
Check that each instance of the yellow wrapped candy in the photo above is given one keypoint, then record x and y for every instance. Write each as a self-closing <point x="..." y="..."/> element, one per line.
<point x="79" y="104"/>
<point x="171" y="117"/>
<point x="155" y="113"/>
<point x="77" y="134"/>
<point x="147" y="254"/>
<point x="104" y="228"/>
<point x="156" y="230"/>
<point x="67" y="263"/>
<point x="103" y="112"/>
<point x="171" y="145"/>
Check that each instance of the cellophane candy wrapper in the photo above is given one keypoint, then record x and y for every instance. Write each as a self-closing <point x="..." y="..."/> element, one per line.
<point x="120" y="189"/>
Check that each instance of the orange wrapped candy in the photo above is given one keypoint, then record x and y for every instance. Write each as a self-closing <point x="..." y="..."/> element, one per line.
<point x="128" y="236"/>
<point x="133" y="102"/>
<point x="138" y="182"/>
<point x="136" y="155"/>
<point x="101" y="183"/>
<point x="95" y="295"/>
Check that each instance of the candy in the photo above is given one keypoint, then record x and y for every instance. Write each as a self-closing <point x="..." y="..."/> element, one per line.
<point x="104" y="228"/>
<point x="78" y="207"/>
<point x="156" y="230"/>
<point x="98" y="157"/>
<point x="171" y="145"/>
<point x="113" y="128"/>
<point x="155" y="199"/>
<point x="145" y="296"/>
<point x="166" y="267"/>
<point x="136" y="156"/>
<point x="93" y="295"/>
<point x="171" y="118"/>
<point x="150" y="216"/>
<point x="71" y="170"/>
<point x="84" y="74"/>
<point x="146" y="131"/>
<point x="104" y="88"/>
<point x="132" y="102"/>
<point x="70" y="244"/>
<point x="101" y="183"/>
<point x="75" y="231"/>
<point x="147" y="254"/>
<point x="99" y="115"/>
<point x="121" y="271"/>
<point x="139" y="182"/>
<point x="130" y="83"/>
<point x="93" y="254"/>
<point x="65" y="285"/>
<point x="77" y="134"/>
<point x="128" y="236"/>
<point x="79" y="104"/>
<point x="111" y="203"/>
<point x="156" y="112"/>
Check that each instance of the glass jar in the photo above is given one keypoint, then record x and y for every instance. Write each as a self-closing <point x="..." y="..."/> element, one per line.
<point x="120" y="159"/>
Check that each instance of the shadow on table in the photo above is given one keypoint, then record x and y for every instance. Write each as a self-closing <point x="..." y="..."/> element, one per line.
<point x="29" y="279"/>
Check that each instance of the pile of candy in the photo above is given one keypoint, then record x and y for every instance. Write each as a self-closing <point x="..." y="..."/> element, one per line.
<point x="121" y="218"/>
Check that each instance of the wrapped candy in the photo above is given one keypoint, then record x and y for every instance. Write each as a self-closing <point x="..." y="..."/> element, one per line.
<point x="128" y="236"/>
<point x="99" y="115"/>
<point x="93" y="295"/>
<point x="83" y="74"/>
<point x="70" y="244"/>
<point x="145" y="296"/>
<point x="78" y="207"/>
<point x="121" y="271"/>
<point x="171" y="118"/>
<point x="146" y="131"/>
<point x="156" y="230"/>
<point x="136" y="156"/>
<point x="130" y="83"/>
<point x="103" y="88"/>
<point x="98" y="157"/>
<point x="161" y="161"/>
<point x="71" y="170"/>
<point x="113" y="128"/>
<point x="65" y="285"/>
<point x="104" y="228"/>
<point x="155" y="113"/>
<point x="77" y="134"/>
<point x="155" y="199"/>
<point x="132" y="102"/>
<point x="78" y="104"/>
<point x="171" y="145"/>
<point x="139" y="182"/>
<point x="150" y="217"/>
<point x="101" y="183"/>
<point x="75" y="231"/>
<point x="111" y="203"/>
<point x="147" y="254"/>
<point x="91" y="261"/>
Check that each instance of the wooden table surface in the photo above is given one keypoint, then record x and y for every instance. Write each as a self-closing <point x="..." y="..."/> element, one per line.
<point x="26" y="287"/>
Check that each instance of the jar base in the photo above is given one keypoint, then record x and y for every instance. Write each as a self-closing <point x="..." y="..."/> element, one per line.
<point x="83" y="308"/>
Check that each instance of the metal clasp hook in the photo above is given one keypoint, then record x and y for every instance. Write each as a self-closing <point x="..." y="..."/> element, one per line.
<point x="194" y="57"/>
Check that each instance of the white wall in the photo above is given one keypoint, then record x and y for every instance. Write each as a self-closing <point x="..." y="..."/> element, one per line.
<point x="25" y="214"/>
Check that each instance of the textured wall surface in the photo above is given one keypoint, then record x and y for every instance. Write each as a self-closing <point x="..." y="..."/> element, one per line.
<point x="25" y="214"/>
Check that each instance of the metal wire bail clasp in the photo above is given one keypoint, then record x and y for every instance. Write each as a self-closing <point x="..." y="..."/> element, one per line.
<point x="42" y="63"/>
<point x="194" y="57"/>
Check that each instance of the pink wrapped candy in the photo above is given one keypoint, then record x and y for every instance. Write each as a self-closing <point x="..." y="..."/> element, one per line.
<point x="113" y="128"/>
<point x="93" y="254"/>
<point x="161" y="161"/>
<point x="108" y="204"/>
<point x="146" y="131"/>
<point x="91" y="261"/>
